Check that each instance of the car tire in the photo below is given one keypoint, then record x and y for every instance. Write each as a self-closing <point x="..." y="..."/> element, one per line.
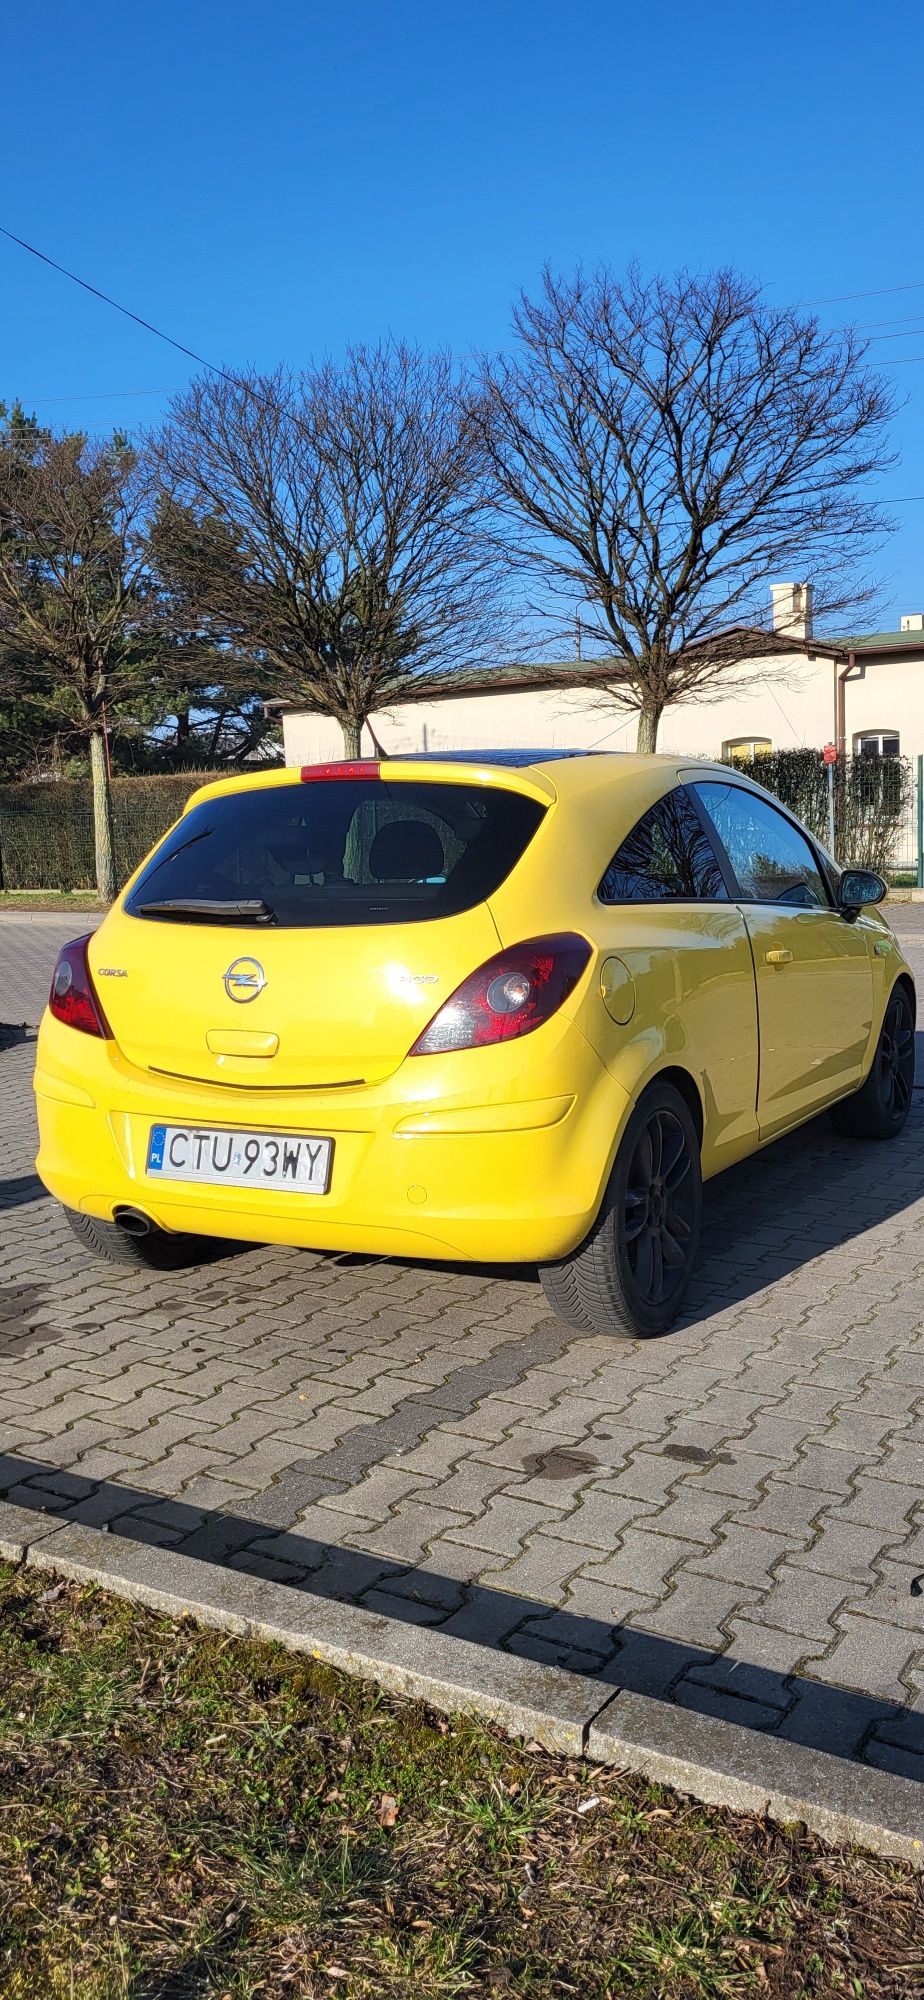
<point x="559" y="1284"/>
<point x="630" y="1275"/>
<point x="879" y="1108"/>
<point x="158" y="1251"/>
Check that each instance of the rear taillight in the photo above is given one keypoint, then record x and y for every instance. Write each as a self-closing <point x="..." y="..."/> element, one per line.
<point x="72" y="998"/>
<point x="509" y="996"/>
<point x="361" y="767"/>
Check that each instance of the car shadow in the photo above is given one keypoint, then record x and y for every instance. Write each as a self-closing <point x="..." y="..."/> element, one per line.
<point x="19" y="1189"/>
<point x="776" y="1212"/>
<point x="763" y="1219"/>
<point x="811" y="1192"/>
<point x="13" y="1034"/>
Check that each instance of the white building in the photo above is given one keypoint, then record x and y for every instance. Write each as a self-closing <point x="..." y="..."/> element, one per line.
<point x="862" y="693"/>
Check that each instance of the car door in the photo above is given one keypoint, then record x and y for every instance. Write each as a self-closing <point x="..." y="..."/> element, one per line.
<point x="678" y="977"/>
<point x="812" y="967"/>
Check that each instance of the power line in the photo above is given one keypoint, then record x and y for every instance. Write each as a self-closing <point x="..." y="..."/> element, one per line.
<point x="880" y="292"/>
<point x="95" y="395"/>
<point x="902" y="319"/>
<point x="835" y="298"/>
<point x="26" y="425"/>
<point x="125" y="310"/>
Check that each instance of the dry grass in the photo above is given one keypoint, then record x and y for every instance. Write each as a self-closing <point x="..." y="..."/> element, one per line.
<point x="64" y="903"/>
<point x="184" y="1816"/>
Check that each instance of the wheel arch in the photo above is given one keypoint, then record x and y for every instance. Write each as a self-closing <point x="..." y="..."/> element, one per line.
<point x="596" y="1286"/>
<point x="906" y="982"/>
<point x="688" y="1089"/>
<point x="686" y="1086"/>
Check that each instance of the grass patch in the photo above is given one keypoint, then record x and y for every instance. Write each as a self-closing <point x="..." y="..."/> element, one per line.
<point x="62" y="901"/>
<point x="186" y="1817"/>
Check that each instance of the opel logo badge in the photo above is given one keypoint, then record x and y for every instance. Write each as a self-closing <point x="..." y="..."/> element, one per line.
<point x="244" y="979"/>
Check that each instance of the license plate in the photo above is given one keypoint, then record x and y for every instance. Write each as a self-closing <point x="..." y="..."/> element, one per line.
<point x="287" y="1160"/>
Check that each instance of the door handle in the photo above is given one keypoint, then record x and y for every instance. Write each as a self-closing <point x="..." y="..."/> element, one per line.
<point x="781" y="957"/>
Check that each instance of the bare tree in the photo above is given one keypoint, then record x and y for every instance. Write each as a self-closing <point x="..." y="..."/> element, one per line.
<point x="329" y="523"/>
<point x="661" y="449"/>
<point x="74" y="590"/>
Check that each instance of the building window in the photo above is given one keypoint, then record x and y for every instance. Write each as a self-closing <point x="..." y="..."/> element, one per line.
<point x="876" y="743"/>
<point x="741" y="749"/>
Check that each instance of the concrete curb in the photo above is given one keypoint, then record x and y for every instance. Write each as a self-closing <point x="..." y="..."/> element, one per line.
<point x="727" y="1765"/>
<point x="20" y="1528"/>
<point x="27" y="916"/>
<point x="720" y="1763"/>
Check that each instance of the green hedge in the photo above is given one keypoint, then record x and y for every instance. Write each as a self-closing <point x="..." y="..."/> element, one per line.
<point x="46" y="831"/>
<point x="873" y="800"/>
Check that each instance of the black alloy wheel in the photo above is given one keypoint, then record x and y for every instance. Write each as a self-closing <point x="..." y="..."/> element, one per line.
<point x="896" y="1058"/>
<point x="630" y="1275"/>
<point x="878" y="1110"/>
<point x="660" y="1213"/>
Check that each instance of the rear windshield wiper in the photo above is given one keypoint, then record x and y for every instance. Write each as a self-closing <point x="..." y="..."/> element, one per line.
<point x="209" y="909"/>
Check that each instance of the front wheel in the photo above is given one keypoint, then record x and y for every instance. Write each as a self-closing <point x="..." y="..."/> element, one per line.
<point x="879" y="1109"/>
<point x="630" y="1275"/>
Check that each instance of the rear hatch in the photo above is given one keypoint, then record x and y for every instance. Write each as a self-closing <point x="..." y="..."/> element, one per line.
<point x="301" y="934"/>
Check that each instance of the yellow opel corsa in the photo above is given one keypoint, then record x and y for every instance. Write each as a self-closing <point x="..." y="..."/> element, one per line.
<point x="510" y="1007"/>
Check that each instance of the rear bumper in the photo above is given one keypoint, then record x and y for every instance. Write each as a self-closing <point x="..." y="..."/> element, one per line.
<point x="498" y="1155"/>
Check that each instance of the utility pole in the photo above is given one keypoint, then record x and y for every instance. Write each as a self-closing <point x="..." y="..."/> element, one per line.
<point x="829" y="754"/>
<point x="920" y="806"/>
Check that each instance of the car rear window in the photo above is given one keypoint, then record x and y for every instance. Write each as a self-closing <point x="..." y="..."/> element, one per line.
<point x="347" y="851"/>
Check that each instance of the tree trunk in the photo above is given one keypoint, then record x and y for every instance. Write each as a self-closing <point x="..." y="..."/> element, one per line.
<point x="102" y="819"/>
<point x="649" y="716"/>
<point x="352" y="732"/>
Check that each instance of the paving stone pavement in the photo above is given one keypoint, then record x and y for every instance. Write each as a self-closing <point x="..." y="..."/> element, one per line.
<point x="731" y="1517"/>
<point x="28" y="948"/>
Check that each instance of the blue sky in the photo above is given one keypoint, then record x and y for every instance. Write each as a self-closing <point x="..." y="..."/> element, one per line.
<point x="267" y="182"/>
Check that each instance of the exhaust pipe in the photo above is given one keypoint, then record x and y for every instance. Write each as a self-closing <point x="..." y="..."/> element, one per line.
<point x="134" y="1222"/>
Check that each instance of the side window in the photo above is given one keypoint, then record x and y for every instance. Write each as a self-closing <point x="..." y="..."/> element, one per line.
<point x="772" y="860"/>
<point x="667" y="858"/>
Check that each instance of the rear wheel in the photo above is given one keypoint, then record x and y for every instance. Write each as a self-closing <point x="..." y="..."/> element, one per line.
<point x="630" y="1275"/>
<point x="879" y="1109"/>
<point x="157" y="1251"/>
<point x="559" y="1284"/>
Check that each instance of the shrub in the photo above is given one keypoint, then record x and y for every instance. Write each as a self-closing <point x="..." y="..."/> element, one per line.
<point x="872" y="797"/>
<point x="46" y="830"/>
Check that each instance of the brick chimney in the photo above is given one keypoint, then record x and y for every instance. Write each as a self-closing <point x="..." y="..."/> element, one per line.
<point x="792" y="609"/>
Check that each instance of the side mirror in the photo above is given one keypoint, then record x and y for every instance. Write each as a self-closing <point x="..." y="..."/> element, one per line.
<point x="857" y="887"/>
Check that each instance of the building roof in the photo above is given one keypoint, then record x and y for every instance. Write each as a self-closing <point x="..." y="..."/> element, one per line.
<point x="536" y="676"/>
<point x="885" y="642"/>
